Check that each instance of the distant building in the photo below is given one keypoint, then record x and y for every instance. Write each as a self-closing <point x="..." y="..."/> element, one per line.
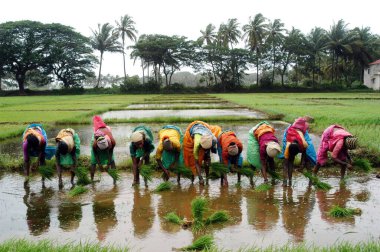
<point x="372" y="75"/>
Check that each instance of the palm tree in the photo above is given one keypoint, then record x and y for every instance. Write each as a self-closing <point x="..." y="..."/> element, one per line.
<point x="208" y="35"/>
<point x="126" y="29"/>
<point x="275" y="36"/>
<point x="316" y="43"/>
<point x="229" y="34"/>
<point x="339" y="45"/>
<point x="104" y="39"/>
<point x="255" y="32"/>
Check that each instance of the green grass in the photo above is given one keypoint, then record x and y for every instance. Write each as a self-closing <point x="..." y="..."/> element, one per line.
<point x="341" y="212"/>
<point x="316" y="182"/>
<point x="183" y="171"/>
<point x="202" y="243"/>
<point x="199" y="206"/>
<point x="164" y="186"/>
<point x="218" y="217"/>
<point x="358" y="112"/>
<point x="77" y="190"/>
<point x="218" y="170"/>
<point x="146" y="172"/>
<point x="10" y="163"/>
<point x="23" y="245"/>
<point x="362" y="164"/>
<point x="114" y="173"/>
<point x="82" y="176"/>
<point x="247" y="171"/>
<point x="46" y="171"/>
<point x="173" y="218"/>
<point x="263" y="187"/>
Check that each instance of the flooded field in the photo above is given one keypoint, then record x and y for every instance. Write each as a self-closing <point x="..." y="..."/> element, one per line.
<point x="122" y="132"/>
<point x="186" y="113"/>
<point x="133" y="216"/>
<point x="168" y="105"/>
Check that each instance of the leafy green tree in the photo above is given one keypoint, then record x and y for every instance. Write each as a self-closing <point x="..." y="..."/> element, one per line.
<point x="70" y="55"/>
<point x="209" y="36"/>
<point x="126" y="29"/>
<point x="25" y="48"/>
<point x="275" y="37"/>
<point x="229" y="34"/>
<point x="105" y="39"/>
<point x="255" y="32"/>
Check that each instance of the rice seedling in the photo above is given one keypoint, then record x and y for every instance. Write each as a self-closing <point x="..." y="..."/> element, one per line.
<point x="183" y="171"/>
<point x="77" y="190"/>
<point x="82" y="176"/>
<point x="218" y="170"/>
<point x="47" y="172"/>
<point x="316" y="182"/>
<point x="198" y="208"/>
<point x="341" y="212"/>
<point x="173" y="218"/>
<point x="363" y="164"/>
<point x="114" y="173"/>
<point x="246" y="171"/>
<point x="274" y="174"/>
<point x="164" y="186"/>
<point x="146" y="172"/>
<point x="263" y="187"/>
<point x="202" y="243"/>
<point x="217" y="217"/>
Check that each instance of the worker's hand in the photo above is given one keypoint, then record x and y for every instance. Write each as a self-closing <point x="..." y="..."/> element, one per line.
<point x="349" y="166"/>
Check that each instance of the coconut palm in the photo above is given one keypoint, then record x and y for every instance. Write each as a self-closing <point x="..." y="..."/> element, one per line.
<point x="229" y="34"/>
<point x="104" y="39"/>
<point x="275" y="36"/>
<point x="316" y="43"/>
<point x="126" y="29"/>
<point x="208" y="35"/>
<point x="255" y="32"/>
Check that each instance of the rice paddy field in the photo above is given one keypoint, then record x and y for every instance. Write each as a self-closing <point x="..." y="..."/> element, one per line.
<point x="104" y="216"/>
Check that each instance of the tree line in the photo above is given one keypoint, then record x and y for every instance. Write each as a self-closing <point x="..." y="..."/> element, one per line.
<point x="32" y="52"/>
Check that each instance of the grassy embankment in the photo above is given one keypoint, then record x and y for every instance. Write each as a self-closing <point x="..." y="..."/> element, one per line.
<point x="45" y="246"/>
<point x="358" y="112"/>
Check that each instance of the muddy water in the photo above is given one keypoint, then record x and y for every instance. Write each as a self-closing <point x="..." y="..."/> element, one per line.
<point x="188" y="113"/>
<point x="124" y="215"/>
<point x="122" y="132"/>
<point x="166" y="105"/>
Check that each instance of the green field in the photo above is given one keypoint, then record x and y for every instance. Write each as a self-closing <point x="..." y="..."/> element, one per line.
<point x="358" y="112"/>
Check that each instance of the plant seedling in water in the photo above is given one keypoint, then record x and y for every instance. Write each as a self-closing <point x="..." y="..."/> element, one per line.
<point x="77" y="190"/>
<point x="47" y="172"/>
<point x="202" y="243"/>
<point x="341" y="212"/>
<point x="164" y="186"/>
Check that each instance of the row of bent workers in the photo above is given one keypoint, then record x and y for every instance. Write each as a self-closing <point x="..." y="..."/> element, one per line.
<point x="194" y="148"/>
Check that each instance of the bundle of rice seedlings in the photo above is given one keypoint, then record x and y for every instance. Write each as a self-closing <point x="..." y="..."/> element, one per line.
<point x="77" y="190"/>
<point x="82" y="176"/>
<point x="363" y="164"/>
<point x="217" y="217"/>
<point x="340" y="212"/>
<point x="173" y="218"/>
<point x="198" y="208"/>
<point x="274" y="174"/>
<point x="263" y="187"/>
<point x="146" y="172"/>
<point x="47" y="172"/>
<point x="114" y="173"/>
<point x="316" y="182"/>
<point x="218" y="170"/>
<point x="246" y="171"/>
<point x="202" y="243"/>
<point x="183" y="170"/>
<point x="164" y="186"/>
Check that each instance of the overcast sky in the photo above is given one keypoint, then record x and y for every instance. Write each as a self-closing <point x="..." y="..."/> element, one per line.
<point x="187" y="18"/>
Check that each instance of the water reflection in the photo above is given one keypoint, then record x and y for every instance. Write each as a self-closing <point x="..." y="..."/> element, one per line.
<point x="296" y="214"/>
<point x="69" y="215"/>
<point x="142" y="211"/>
<point x="262" y="210"/>
<point x="104" y="212"/>
<point x="38" y="210"/>
<point x="340" y="198"/>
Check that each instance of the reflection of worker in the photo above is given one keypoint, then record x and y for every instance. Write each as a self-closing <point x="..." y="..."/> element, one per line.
<point x="199" y="140"/>
<point x="262" y="211"/>
<point x="297" y="140"/>
<point x="102" y="146"/>
<point x="229" y="151"/>
<point x="338" y="141"/>
<point x="38" y="210"/>
<point x="104" y="212"/>
<point x="262" y="147"/>
<point x="34" y="141"/>
<point x="296" y="215"/>
<point x="140" y="149"/>
<point x="142" y="212"/>
<point x="67" y="152"/>
<point x="169" y="149"/>
<point x="69" y="215"/>
<point x="327" y="201"/>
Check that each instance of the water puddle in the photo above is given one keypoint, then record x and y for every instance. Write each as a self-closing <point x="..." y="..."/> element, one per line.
<point x="185" y="113"/>
<point x="169" y="105"/>
<point x="128" y="216"/>
<point x="122" y="132"/>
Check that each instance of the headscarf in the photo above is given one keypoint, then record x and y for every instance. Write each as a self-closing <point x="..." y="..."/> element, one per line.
<point x="137" y="136"/>
<point x="206" y="142"/>
<point x="233" y="150"/>
<point x="273" y="149"/>
<point x="102" y="143"/>
<point x="351" y="142"/>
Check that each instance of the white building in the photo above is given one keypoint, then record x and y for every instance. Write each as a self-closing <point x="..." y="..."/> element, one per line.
<point x="372" y="75"/>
